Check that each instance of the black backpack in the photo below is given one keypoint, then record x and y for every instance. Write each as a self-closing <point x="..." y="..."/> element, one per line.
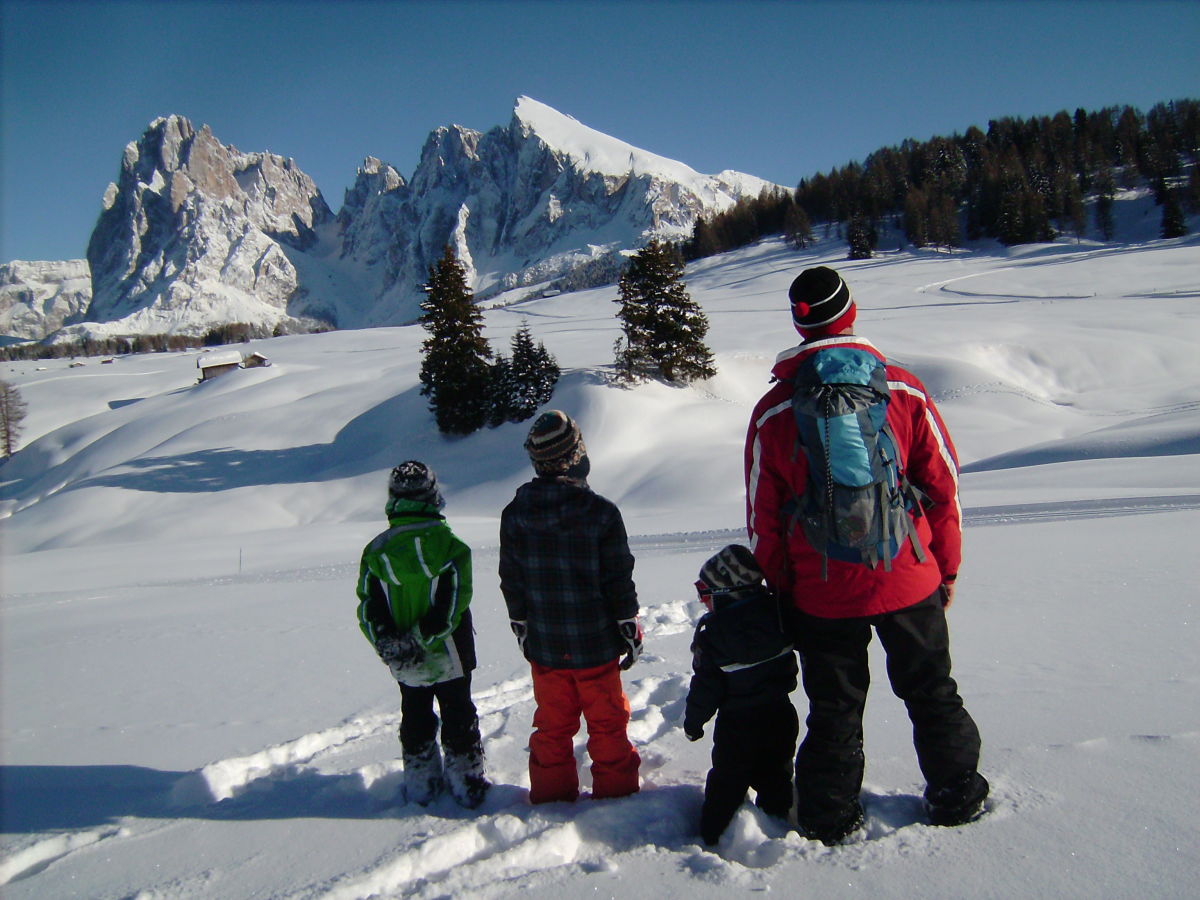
<point x="857" y="506"/>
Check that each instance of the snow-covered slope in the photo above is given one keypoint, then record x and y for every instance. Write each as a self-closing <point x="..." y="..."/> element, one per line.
<point x="190" y="711"/>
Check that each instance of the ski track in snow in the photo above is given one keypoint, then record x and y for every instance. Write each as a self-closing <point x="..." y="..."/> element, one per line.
<point x="29" y="861"/>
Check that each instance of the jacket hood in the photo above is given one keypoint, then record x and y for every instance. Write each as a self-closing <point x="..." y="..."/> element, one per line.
<point x="789" y="360"/>
<point x="399" y="508"/>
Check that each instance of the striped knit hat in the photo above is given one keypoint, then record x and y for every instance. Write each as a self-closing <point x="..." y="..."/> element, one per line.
<point x="821" y="302"/>
<point x="734" y="567"/>
<point x="554" y="444"/>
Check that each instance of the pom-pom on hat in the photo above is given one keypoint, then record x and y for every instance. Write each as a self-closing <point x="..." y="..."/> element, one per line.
<point x="555" y="443"/>
<point x="732" y="569"/>
<point x="413" y="480"/>
<point x="821" y="302"/>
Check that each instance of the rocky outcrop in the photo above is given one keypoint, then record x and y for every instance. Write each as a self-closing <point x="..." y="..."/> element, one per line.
<point x="194" y="233"/>
<point x="520" y="204"/>
<point x="37" y="298"/>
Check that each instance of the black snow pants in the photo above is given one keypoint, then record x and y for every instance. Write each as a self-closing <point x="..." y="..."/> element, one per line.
<point x="752" y="748"/>
<point x="460" y="722"/>
<point x="833" y="654"/>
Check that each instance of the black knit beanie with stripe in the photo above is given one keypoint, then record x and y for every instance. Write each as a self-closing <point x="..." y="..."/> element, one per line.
<point x="821" y="302"/>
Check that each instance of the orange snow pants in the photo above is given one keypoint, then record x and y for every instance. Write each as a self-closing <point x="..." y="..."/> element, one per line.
<point x="562" y="695"/>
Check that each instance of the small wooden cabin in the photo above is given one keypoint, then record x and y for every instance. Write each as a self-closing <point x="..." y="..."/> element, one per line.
<point x="213" y="364"/>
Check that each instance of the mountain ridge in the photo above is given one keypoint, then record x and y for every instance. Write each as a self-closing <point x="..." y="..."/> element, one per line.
<point x="195" y="234"/>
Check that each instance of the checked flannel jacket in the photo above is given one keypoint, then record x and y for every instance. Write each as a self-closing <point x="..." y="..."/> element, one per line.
<point x="566" y="570"/>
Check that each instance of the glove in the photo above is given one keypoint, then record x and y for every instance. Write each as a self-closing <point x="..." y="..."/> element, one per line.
<point x="631" y="631"/>
<point x="399" y="651"/>
<point x="693" y="734"/>
<point x="521" y="630"/>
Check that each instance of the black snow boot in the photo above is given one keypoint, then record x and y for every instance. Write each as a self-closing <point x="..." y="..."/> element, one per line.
<point x="958" y="802"/>
<point x="423" y="779"/>
<point x="465" y="777"/>
<point x="834" y="831"/>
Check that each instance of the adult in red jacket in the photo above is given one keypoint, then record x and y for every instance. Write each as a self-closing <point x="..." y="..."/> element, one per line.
<point x="836" y="604"/>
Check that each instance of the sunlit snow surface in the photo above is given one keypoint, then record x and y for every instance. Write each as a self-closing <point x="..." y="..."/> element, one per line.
<point x="190" y="711"/>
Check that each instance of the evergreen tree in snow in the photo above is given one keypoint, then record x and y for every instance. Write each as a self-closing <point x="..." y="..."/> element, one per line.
<point x="524" y="383"/>
<point x="1173" y="223"/>
<point x="663" y="327"/>
<point x="797" y="229"/>
<point x="12" y="414"/>
<point x="860" y="237"/>
<point x="1106" y="190"/>
<point x="500" y="391"/>
<point x="455" y="373"/>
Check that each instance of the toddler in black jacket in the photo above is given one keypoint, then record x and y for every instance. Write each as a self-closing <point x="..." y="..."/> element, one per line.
<point x="744" y="670"/>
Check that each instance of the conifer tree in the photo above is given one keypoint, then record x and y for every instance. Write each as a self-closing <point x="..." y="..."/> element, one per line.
<point x="454" y="365"/>
<point x="12" y="414"/>
<point x="797" y="229"/>
<point x="703" y="241"/>
<point x="500" y="391"/>
<point x="664" y="328"/>
<point x="861" y="237"/>
<point x="525" y="383"/>
<point x="916" y="217"/>
<point x="1173" y="223"/>
<point x="1106" y="190"/>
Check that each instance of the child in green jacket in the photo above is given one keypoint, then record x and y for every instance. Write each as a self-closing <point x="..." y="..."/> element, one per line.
<point x="414" y="590"/>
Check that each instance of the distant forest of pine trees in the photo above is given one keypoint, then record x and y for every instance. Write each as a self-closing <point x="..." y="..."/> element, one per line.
<point x="1024" y="180"/>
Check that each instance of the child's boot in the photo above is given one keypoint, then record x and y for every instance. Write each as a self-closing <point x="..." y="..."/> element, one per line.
<point x="423" y="779"/>
<point x="465" y="776"/>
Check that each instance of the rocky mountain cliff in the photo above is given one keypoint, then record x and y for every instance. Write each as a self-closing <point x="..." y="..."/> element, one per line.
<point x="521" y="204"/>
<point x="195" y="233"/>
<point x="37" y="298"/>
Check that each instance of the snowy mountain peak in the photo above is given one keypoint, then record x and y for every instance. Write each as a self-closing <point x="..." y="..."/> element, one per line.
<point x="592" y="150"/>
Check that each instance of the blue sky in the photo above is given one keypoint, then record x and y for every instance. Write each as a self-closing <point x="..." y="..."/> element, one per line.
<point x="776" y="89"/>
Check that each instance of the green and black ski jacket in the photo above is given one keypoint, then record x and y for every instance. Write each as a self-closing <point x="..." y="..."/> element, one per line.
<point x="416" y="578"/>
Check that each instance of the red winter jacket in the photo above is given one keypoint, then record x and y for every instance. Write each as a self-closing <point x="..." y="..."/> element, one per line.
<point x="776" y="469"/>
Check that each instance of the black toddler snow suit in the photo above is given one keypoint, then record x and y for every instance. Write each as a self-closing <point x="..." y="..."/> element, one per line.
<point x="744" y="670"/>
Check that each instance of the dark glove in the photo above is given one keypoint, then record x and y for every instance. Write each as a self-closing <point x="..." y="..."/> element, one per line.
<point x="693" y="734"/>
<point x="399" y="651"/>
<point x="631" y="631"/>
<point x="387" y="645"/>
<point x="521" y="630"/>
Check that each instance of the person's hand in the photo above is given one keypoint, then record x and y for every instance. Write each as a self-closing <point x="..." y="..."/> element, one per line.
<point x="388" y="646"/>
<point x="948" y="591"/>
<point x="521" y="629"/>
<point x="693" y="734"/>
<point x="631" y="631"/>
<point x="399" y="651"/>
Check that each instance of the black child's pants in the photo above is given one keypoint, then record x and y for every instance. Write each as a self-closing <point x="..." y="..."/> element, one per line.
<point x="419" y="723"/>
<point x="752" y="748"/>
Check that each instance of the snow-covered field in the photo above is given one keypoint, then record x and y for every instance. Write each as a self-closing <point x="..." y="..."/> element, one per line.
<point x="190" y="711"/>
